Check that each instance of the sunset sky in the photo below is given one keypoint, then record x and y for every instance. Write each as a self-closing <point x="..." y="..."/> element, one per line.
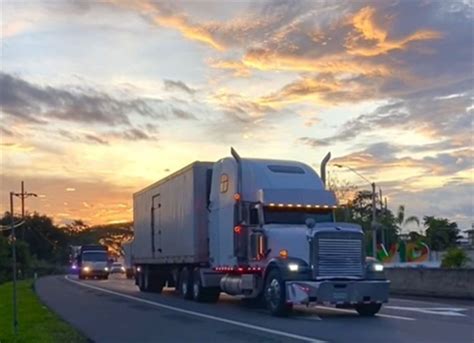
<point x="99" y="99"/>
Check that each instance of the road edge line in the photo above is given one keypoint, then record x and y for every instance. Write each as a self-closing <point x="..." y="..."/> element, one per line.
<point x="377" y="315"/>
<point x="202" y="315"/>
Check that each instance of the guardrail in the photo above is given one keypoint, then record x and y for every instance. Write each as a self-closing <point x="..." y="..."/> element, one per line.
<point x="437" y="282"/>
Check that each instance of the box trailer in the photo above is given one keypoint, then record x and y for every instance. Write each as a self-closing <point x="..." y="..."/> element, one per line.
<point x="260" y="229"/>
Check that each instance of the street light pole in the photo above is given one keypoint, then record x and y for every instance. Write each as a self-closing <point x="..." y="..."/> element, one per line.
<point x="374" y="209"/>
<point x="374" y="222"/>
<point x="15" y="312"/>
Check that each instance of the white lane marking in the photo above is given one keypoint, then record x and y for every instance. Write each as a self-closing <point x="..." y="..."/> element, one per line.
<point x="343" y="310"/>
<point x="442" y="311"/>
<point x="202" y="315"/>
<point x="436" y="303"/>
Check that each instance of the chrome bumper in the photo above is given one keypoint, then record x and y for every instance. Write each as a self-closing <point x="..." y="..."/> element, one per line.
<point x="337" y="292"/>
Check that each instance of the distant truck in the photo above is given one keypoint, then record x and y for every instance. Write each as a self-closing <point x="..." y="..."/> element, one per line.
<point x="92" y="262"/>
<point x="260" y="229"/>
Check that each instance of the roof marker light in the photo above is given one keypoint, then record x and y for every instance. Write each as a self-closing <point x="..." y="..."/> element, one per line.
<point x="308" y="206"/>
<point x="271" y="204"/>
<point x="283" y="253"/>
<point x="326" y="206"/>
<point x="299" y="205"/>
<point x="281" y="205"/>
<point x="290" y="205"/>
<point x="317" y="206"/>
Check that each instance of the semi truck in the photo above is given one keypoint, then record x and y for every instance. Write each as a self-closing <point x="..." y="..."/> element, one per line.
<point x="92" y="262"/>
<point x="260" y="229"/>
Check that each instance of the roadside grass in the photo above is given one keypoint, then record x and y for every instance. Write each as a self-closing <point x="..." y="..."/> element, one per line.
<point x="36" y="322"/>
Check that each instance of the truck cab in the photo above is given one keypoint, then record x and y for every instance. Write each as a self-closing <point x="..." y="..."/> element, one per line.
<point x="272" y="232"/>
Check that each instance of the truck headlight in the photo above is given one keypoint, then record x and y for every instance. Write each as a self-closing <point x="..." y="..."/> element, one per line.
<point x="106" y="269"/>
<point x="377" y="267"/>
<point x="86" y="269"/>
<point x="293" y="267"/>
<point x="122" y="268"/>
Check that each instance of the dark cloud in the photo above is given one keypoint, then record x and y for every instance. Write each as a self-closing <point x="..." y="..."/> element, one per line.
<point x="95" y="139"/>
<point x="38" y="104"/>
<point x="171" y="85"/>
<point x="5" y="132"/>
<point x="381" y="156"/>
<point x="181" y="114"/>
<point x="135" y="135"/>
<point x="313" y="142"/>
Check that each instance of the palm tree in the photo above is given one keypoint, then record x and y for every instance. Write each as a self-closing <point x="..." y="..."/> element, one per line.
<point x="400" y="219"/>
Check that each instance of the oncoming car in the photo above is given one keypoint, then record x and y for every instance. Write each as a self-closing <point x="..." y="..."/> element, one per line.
<point x="117" y="268"/>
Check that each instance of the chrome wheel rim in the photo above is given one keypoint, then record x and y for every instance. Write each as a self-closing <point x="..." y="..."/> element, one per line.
<point x="273" y="293"/>
<point x="196" y="290"/>
<point x="184" y="287"/>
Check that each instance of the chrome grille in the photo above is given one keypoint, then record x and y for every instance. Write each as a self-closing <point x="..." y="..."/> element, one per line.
<point x="339" y="257"/>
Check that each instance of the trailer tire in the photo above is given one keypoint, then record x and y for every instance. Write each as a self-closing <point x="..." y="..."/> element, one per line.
<point x="204" y="294"/>
<point x="368" y="310"/>
<point x="156" y="282"/>
<point x="275" y="294"/>
<point x="186" y="284"/>
<point x="141" y="281"/>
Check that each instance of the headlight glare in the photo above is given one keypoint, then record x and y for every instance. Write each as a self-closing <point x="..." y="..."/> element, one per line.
<point x="293" y="267"/>
<point x="377" y="267"/>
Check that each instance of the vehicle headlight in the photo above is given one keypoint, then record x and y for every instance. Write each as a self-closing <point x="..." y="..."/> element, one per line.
<point x="106" y="269"/>
<point x="123" y="268"/>
<point x="377" y="267"/>
<point x="293" y="267"/>
<point x="86" y="269"/>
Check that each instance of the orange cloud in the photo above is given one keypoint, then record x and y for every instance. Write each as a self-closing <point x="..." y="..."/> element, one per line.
<point x="269" y="60"/>
<point x="372" y="40"/>
<point x="180" y="22"/>
<point x="239" y="69"/>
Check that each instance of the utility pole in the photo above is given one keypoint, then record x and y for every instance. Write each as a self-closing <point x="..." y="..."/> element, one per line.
<point x="374" y="221"/>
<point x="13" y="239"/>
<point x="23" y="196"/>
<point x="382" y="228"/>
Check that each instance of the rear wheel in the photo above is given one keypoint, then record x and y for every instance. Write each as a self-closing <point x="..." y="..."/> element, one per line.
<point x="368" y="310"/>
<point x="204" y="294"/>
<point x="186" y="284"/>
<point x="275" y="294"/>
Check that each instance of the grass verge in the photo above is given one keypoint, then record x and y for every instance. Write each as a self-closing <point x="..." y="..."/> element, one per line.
<point x="36" y="322"/>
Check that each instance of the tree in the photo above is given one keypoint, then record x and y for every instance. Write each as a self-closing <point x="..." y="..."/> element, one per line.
<point x="400" y="219"/>
<point x="440" y="232"/>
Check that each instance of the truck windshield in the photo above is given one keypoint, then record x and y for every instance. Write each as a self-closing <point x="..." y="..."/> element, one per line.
<point x="274" y="215"/>
<point x="94" y="256"/>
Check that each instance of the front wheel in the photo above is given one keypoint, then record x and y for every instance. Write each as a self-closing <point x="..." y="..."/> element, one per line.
<point x="275" y="294"/>
<point x="368" y="310"/>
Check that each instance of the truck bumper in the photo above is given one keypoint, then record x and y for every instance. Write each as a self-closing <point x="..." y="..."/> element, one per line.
<point x="337" y="292"/>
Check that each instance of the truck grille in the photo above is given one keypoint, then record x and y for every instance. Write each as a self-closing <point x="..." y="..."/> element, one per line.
<point x="339" y="257"/>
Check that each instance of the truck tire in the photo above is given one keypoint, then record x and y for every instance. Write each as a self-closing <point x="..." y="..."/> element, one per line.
<point x="141" y="281"/>
<point x="204" y="294"/>
<point x="275" y="294"/>
<point x="156" y="282"/>
<point x="186" y="284"/>
<point x="368" y="310"/>
<point x="81" y="277"/>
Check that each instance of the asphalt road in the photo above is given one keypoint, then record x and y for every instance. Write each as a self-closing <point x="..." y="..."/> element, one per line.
<point x="115" y="311"/>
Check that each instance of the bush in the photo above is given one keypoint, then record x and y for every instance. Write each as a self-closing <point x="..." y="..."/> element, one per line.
<point x="455" y="258"/>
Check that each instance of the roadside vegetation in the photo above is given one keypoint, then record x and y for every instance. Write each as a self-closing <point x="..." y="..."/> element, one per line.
<point x="455" y="258"/>
<point x="36" y="323"/>
<point x="44" y="248"/>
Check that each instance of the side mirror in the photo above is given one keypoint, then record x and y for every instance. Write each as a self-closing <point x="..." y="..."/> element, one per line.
<point x="310" y="223"/>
